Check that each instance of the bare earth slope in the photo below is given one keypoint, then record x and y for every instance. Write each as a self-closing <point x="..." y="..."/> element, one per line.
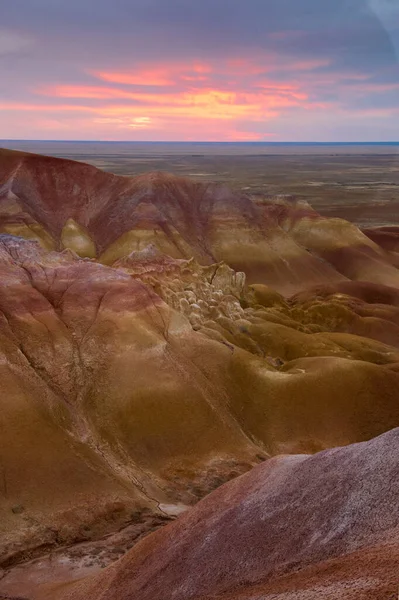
<point x="66" y="204"/>
<point x="159" y="337"/>
<point x="250" y="538"/>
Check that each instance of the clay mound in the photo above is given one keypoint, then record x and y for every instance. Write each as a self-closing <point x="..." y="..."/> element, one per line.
<point x="371" y="293"/>
<point x="104" y="409"/>
<point x="151" y="348"/>
<point x="281" y="242"/>
<point x="154" y="382"/>
<point x="283" y="516"/>
<point x="386" y="237"/>
<point x="368" y="574"/>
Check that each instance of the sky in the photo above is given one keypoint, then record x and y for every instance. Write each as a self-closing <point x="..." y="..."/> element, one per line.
<point x="209" y="70"/>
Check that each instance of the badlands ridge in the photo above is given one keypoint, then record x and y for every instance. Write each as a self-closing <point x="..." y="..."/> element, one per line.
<point x="160" y="337"/>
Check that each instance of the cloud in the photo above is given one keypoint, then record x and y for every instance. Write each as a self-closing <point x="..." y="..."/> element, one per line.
<point x="12" y="42"/>
<point x="150" y="77"/>
<point x="227" y="92"/>
<point x="213" y="68"/>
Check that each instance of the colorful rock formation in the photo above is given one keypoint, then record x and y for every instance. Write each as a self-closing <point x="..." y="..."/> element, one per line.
<point x="159" y="337"/>
<point x="322" y="526"/>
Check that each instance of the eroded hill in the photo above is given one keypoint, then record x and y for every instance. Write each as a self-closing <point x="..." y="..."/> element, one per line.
<point x="322" y="526"/>
<point x="159" y="337"/>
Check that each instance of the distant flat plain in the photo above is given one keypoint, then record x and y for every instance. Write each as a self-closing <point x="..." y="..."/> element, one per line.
<point x="358" y="182"/>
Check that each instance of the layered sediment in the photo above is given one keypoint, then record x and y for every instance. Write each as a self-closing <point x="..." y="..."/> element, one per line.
<point x="160" y="337"/>
<point x="300" y="526"/>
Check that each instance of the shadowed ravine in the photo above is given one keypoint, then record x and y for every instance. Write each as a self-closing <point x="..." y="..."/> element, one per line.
<point x="160" y="337"/>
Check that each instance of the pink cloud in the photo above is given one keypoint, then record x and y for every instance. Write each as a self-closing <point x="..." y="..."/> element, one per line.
<point x="233" y="99"/>
<point x="197" y="90"/>
<point x="87" y="92"/>
<point x="154" y="77"/>
<point x="30" y="107"/>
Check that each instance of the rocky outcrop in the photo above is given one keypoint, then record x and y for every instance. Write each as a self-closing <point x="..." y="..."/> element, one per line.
<point x="200" y="293"/>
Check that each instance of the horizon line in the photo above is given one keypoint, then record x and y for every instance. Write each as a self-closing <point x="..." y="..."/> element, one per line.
<point x="355" y="142"/>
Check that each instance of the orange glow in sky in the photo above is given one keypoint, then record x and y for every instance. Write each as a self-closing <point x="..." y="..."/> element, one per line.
<point x="226" y="100"/>
<point x="215" y="70"/>
<point x="183" y="97"/>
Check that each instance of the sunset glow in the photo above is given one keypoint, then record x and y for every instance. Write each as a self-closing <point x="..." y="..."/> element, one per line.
<point x="263" y="83"/>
